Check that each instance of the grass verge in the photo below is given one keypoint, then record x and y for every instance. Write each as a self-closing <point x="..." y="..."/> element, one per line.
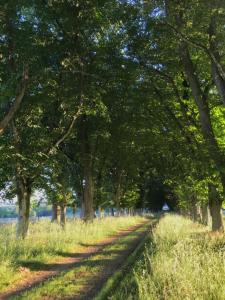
<point x="47" y="242"/>
<point x="87" y="277"/>
<point x="182" y="261"/>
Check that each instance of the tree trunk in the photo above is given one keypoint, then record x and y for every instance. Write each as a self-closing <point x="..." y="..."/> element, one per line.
<point x="88" y="182"/>
<point x="101" y="212"/>
<point x="74" y="208"/>
<point x="23" y="196"/>
<point x="204" y="213"/>
<point x="88" y="191"/>
<point x="194" y="210"/>
<point x="215" y="205"/>
<point x="112" y="212"/>
<point x="55" y="213"/>
<point x="62" y="215"/>
<point x="213" y="43"/>
<point x="118" y="195"/>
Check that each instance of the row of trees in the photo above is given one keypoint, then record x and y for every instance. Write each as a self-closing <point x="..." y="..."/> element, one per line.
<point x="100" y="99"/>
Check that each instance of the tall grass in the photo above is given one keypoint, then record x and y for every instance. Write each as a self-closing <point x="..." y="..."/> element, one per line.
<point x="183" y="261"/>
<point x="47" y="241"/>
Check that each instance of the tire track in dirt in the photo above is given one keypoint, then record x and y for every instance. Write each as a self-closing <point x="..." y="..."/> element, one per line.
<point x="53" y="270"/>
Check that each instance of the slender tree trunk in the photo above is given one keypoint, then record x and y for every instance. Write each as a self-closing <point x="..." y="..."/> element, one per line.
<point x="112" y="212"/>
<point x="215" y="205"/>
<point x="82" y="208"/>
<point x="62" y="215"/>
<point x="55" y="213"/>
<point x="213" y="43"/>
<point x="118" y="195"/>
<point x="194" y="209"/>
<point x="88" y="191"/>
<point x="204" y="213"/>
<point x="102" y="212"/>
<point x="88" y="186"/>
<point x="192" y="212"/>
<point x="23" y="196"/>
<point x="74" y="208"/>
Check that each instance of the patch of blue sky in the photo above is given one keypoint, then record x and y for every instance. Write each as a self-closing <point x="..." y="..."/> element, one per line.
<point x="3" y="38"/>
<point x="157" y="12"/>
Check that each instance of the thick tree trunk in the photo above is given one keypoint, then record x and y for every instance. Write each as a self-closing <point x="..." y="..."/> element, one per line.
<point x="215" y="205"/>
<point x="62" y="215"/>
<point x="204" y="213"/>
<point x="55" y="213"/>
<point x="23" y="196"/>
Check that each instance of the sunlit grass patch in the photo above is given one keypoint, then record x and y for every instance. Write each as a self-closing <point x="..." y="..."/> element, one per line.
<point x="47" y="241"/>
<point x="184" y="263"/>
<point x="182" y="260"/>
<point x="85" y="274"/>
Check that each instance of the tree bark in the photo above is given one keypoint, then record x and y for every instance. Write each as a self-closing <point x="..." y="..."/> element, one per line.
<point x="12" y="66"/>
<point x="88" y="185"/>
<point x="55" y="213"/>
<point x="204" y="213"/>
<point x="215" y="204"/>
<point x="23" y="196"/>
<point x="207" y="131"/>
<point x="218" y="79"/>
<point x="118" y="195"/>
<point x="101" y="212"/>
<point x="63" y="215"/>
<point x="74" y="208"/>
<point x="88" y="191"/>
<point x="194" y="210"/>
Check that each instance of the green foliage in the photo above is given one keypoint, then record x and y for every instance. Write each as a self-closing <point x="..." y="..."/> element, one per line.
<point x="107" y="85"/>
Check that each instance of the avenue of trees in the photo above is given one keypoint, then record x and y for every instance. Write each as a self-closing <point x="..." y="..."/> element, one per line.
<point x="113" y="104"/>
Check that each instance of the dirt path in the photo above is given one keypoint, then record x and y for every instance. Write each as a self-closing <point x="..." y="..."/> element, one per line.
<point x="52" y="270"/>
<point x="96" y="282"/>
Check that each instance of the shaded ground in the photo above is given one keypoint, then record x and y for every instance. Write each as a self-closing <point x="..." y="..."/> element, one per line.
<point x="106" y="258"/>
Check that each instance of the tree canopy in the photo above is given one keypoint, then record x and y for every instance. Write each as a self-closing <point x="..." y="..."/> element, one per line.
<point x="113" y="104"/>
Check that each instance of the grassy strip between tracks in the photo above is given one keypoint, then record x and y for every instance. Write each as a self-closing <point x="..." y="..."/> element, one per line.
<point x="124" y="275"/>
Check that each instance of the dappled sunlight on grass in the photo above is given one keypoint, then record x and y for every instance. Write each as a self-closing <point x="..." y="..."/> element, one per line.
<point x="85" y="276"/>
<point x="47" y="241"/>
